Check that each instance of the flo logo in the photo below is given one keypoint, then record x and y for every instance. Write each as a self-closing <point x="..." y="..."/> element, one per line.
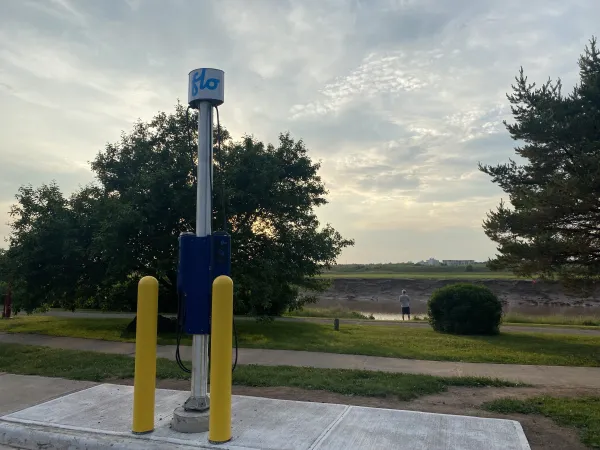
<point x="199" y="82"/>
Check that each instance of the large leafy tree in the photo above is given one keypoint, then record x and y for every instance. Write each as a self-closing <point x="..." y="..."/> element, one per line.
<point x="126" y="225"/>
<point x="43" y="255"/>
<point x="552" y="225"/>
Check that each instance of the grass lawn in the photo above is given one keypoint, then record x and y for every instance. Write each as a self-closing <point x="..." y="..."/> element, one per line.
<point x="516" y="319"/>
<point x="332" y="313"/>
<point x="524" y="319"/>
<point x="582" y="413"/>
<point x="425" y="275"/>
<point x="78" y="365"/>
<point x="391" y="341"/>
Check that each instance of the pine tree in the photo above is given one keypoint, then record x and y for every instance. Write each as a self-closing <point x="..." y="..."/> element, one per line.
<point x="552" y="225"/>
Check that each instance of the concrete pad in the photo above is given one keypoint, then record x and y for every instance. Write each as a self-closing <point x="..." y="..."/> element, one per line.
<point x="100" y="418"/>
<point x="22" y="391"/>
<point x="385" y="428"/>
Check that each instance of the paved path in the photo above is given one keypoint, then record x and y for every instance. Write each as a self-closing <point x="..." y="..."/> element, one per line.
<point x="585" y="377"/>
<point x="414" y="324"/>
<point x="18" y="392"/>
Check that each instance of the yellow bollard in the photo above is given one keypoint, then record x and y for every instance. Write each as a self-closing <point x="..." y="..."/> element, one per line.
<point x="219" y="421"/>
<point x="144" y="384"/>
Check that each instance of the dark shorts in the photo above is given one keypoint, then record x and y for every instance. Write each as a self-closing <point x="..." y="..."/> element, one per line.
<point x="406" y="310"/>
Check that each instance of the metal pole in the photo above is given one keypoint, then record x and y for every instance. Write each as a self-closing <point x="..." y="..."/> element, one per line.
<point x="199" y="393"/>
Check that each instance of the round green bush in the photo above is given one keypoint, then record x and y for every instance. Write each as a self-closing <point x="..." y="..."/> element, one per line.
<point x="465" y="309"/>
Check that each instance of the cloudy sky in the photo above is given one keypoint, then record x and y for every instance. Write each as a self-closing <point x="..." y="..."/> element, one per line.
<point x="399" y="98"/>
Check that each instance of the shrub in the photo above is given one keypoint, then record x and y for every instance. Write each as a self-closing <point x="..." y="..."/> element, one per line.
<point x="469" y="268"/>
<point x="465" y="309"/>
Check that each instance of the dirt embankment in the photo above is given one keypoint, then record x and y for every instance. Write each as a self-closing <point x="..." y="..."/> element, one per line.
<point x="380" y="295"/>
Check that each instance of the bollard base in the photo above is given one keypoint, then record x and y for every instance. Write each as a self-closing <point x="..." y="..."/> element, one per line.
<point x="189" y="421"/>
<point x="140" y="433"/>
<point x="219" y="442"/>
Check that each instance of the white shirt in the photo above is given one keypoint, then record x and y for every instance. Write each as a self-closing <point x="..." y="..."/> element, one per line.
<point x="404" y="300"/>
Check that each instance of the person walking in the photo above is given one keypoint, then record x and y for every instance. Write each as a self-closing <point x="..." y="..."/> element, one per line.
<point x="405" y="303"/>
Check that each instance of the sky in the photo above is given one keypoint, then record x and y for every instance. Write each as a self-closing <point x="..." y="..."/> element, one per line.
<point x="399" y="99"/>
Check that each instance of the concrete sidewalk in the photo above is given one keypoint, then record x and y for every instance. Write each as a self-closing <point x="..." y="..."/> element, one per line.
<point x="18" y="392"/>
<point x="584" y="377"/>
<point x="100" y="417"/>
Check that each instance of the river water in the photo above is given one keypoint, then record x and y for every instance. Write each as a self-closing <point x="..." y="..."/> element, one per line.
<point x="380" y="296"/>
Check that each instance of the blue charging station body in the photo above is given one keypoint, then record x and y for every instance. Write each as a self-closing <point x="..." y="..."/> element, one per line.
<point x="221" y="254"/>
<point x="194" y="282"/>
<point x="201" y="260"/>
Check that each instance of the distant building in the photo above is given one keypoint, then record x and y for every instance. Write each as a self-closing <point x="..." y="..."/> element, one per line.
<point x="429" y="262"/>
<point x="458" y="262"/>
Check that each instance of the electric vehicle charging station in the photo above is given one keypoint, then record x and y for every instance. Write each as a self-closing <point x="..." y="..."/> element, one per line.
<point x="97" y="417"/>
<point x="203" y="255"/>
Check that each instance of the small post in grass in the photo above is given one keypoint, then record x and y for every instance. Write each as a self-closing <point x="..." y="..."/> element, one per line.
<point x="219" y="420"/>
<point x="336" y="324"/>
<point x="144" y="384"/>
<point x="6" y="313"/>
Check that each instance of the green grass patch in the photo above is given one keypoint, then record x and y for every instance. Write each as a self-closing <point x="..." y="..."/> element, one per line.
<point x="517" y="318"/>
<point x="557" y="321"/>
<point x="391" y="341"/>
<point x="107" y="329"/>
<point x="424" y="343"/>
<point x="582" y="413"/>
<point x="332" y="313"/>
<point x="80" y="365"/>
<point x="356" y="382"/>
<point x="424" y="275"/>
<point x="90" y="310"/>
<point x="74" y="364"/>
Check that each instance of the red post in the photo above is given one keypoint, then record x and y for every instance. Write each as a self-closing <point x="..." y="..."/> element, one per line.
<point x="6" y="313"/>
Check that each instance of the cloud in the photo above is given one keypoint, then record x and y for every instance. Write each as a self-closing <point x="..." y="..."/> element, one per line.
<point x="400" y="99"/>
<point x="377" y="75"/>
<point x="17" y="170"/>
